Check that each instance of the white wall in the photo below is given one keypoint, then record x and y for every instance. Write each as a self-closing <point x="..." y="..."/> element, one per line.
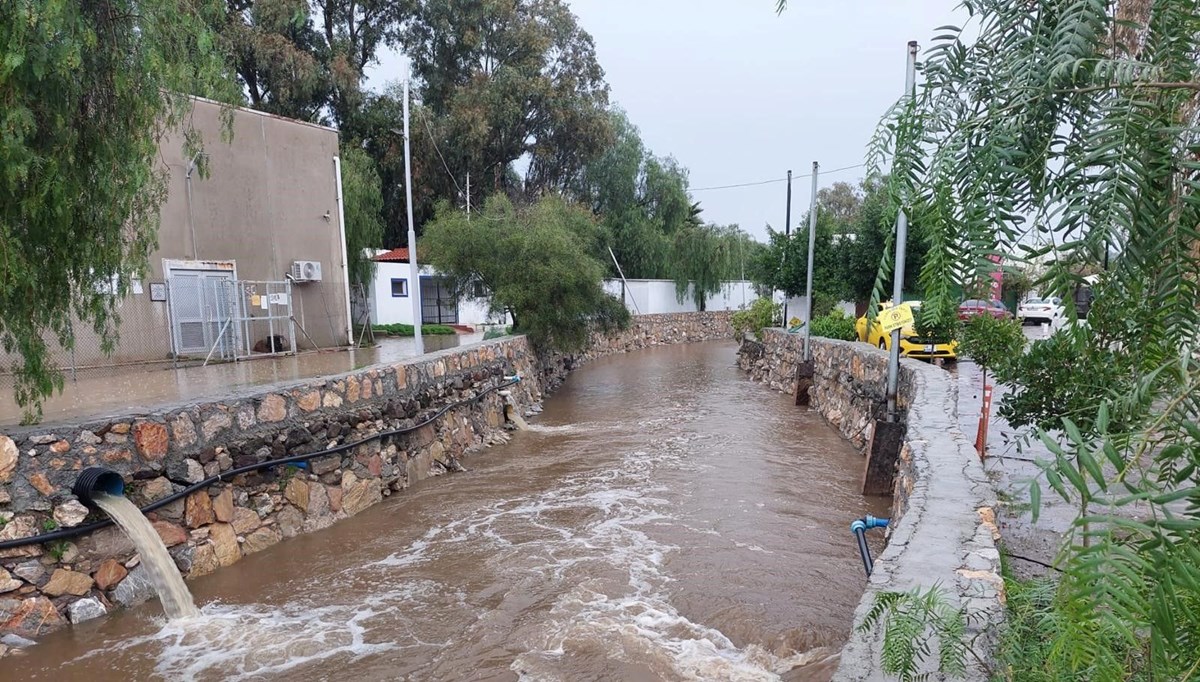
<point x="387" y="309"/>
<point x="649" y="296"/>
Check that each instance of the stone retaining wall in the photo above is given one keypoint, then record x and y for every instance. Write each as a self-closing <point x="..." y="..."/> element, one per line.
<point x="943" y="531"/>
<point x="43" y="587"/>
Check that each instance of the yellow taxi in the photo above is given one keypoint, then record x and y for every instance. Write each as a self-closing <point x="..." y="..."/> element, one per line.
<point x="911" y="345"/>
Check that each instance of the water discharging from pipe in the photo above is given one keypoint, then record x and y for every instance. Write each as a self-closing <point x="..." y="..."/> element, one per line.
<point x="172" y="592"/>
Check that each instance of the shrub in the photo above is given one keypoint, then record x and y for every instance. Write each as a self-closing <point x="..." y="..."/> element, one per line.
<point x="835" y="324"/>
<point x="763" y="312"/>
<point x="991" y="342"/>
<point x="407" y="329"/>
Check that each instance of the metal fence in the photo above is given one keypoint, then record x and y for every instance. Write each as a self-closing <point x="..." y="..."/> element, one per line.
<point x="179" y="322"/>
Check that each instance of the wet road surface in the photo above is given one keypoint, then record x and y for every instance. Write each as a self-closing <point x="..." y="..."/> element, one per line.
<point x="664" y="519"/>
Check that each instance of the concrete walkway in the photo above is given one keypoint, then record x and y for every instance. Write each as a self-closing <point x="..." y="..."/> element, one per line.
<point x="112" y="391"/>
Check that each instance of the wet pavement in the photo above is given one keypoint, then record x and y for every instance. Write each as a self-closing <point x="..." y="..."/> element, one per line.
<point x="665" y="518"/>
<point x="109" y="391"/>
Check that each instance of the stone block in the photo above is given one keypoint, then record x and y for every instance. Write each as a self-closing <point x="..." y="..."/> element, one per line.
<point x="223" y="505"/>
<point x="109" y="574"/>
<point x="29" y="617"/>
<point x="199" y="510"/>
<point x="85" y="610"/>
<point x="261" y="539"/>
<point x="204" y="561"/>
<point x="225" y="544"/>
<point x="8" y="458"/>
<point x="170" y="534"/>
<point x="151" y="440"/>
<point x="296" y="492"/>
<point x="135" y="589"/>
<point x="273" y="408"/>
<point x="184" y="431"/>
<point x="245" y="520"/>
<point x="70" y="513"/>
<point x="7" y="582"/>
<point x="67" y="582"/>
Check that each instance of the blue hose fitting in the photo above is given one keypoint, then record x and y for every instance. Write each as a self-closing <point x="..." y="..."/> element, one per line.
<point x="515" y="378"/>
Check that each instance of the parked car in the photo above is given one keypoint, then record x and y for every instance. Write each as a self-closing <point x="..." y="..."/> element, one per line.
<point x="911" y="345"/>
<point x="972" y="307"/>
<point x="1041" y="310"/>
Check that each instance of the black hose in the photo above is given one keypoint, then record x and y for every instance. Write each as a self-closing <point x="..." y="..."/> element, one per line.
<point x="81" y="530"/>
<point x="864" y="550"/>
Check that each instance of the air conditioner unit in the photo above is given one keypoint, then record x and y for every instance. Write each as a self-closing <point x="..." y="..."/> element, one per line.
<point x="306" y="271"/>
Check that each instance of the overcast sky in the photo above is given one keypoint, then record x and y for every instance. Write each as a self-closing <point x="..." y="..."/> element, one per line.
<point x="738" y="94"/>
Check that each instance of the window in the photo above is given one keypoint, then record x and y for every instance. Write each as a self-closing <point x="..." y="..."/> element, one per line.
<point x="479" y="290"/>
<point x="399" y="288"/>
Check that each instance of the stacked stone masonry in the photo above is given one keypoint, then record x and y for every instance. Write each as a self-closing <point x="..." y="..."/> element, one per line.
<point x="943" y="529"/>
<point x="45" y="587"/>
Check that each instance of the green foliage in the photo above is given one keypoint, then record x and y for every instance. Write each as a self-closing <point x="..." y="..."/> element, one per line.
<point x="991" y="342"/>
<point x="762" y="313"/>
<point x="914" y="623"/>
<point x="1037" y="618"/>
<point x="58" y="549"/>
<point x="398" y="329"/>
<point x="497" y="333"/>
<point x="89" y="90"/>
<point x="1073" y="126"/>
<point x="834" y="324"/>
<point x="540" y="264"/>
<point x="49" y="525"/>
<point x="363" y="208"/>
<point x="704" y="258"/>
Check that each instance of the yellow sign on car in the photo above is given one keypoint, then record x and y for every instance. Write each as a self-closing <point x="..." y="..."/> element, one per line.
<point x="896" y="317"/>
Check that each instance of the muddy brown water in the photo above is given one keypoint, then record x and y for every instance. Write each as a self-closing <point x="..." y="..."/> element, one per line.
<point x="664" y="519"/>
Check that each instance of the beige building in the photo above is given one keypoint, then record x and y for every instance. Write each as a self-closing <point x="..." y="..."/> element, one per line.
<point x="252" y="252"/>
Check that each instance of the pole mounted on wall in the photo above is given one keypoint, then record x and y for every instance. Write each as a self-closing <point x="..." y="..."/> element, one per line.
<point x="414" y="277"/>
<point x="888" y="435"/>
<point x="806" y="369"/>
<point x="787" y="232"/>
<point x="893" y="376"/>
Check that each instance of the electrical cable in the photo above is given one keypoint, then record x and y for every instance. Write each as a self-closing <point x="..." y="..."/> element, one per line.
<point x="768" y="182"/>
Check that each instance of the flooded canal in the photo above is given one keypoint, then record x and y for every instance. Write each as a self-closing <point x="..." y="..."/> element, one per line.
<point x="664" y="519"/>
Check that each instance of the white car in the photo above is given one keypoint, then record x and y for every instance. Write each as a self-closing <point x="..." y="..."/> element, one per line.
<point x="1039" y="310"/>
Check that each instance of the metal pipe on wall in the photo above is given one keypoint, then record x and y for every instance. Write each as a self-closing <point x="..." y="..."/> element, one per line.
<point x="337" y="172"/>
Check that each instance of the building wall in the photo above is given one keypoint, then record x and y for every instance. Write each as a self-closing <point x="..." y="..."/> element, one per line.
<point x="657" y="296"/>
<point x="262" y="206"/>
<point x="387" y="309"/>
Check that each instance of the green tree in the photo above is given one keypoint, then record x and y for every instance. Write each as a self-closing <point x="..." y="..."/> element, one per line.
<point x="874" y="230"/>
<point x="363" y="208"/>
<point x="1074" y="125"/>
<point x="89" y="89"/>
<point x="519" y="80"/>
<point x="538" y="263"/>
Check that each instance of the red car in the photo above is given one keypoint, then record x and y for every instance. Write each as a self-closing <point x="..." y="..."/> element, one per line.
<point x="973" y="307"/>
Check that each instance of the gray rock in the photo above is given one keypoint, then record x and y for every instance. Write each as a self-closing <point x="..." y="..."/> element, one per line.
<point x="85" y="609"/>
<point x="224" y="461"/>
<point x="31" y="572"/>
<point x="70" y="513"/>
<point x="44" y="439"/>
<point x="134" y="589"/>
<point x="187" y="470"/>
<point x="262" y="504"/>
<point x="16" y="641"/>
<point x="183" y="556"/>
<point x="89" y="438"/>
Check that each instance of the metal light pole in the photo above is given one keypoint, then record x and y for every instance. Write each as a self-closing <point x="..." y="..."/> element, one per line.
<point x="787" y="232"/>
<point x="414" y="289"/>
<point x="812" y="245"/>
<point x="893" y="376"/>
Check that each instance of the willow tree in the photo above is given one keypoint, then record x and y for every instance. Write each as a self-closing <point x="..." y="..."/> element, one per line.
<point x="1074" y="124"/>
<point x="88" y="90"/>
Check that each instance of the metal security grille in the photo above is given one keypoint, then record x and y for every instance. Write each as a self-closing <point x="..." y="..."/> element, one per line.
<point x="438" y="304"/>
<point x="216" y="316"/>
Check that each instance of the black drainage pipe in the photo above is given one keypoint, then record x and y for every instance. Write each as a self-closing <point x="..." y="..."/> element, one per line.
<point x="860" y="528"/>
<point x="83" y="530"/>
<point x="94" y="480"/>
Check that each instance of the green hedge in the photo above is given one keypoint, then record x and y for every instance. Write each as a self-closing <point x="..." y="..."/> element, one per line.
<point x="407" y="329"/>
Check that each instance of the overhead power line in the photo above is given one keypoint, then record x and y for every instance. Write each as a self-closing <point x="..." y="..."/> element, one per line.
<point x="776" y="180"/>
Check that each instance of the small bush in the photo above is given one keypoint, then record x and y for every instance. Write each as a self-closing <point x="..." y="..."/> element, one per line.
<point x="495" y="333"/>
<point x="763" y="312"/>
<point x="835" y="324"/>
<point x="407" y="329"/>
<point x="993" y="343"/>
